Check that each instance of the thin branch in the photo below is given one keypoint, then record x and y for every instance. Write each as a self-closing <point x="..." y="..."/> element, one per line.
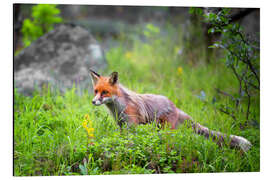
<point x="253" y="71"/>
<point x="249" y="97"/>
<point x="247" y="61"/>
<point x="224" y="93"/>
<point x="254" y="86"/>
<point x="226" y="112"/>
<point x="239" y="79"/>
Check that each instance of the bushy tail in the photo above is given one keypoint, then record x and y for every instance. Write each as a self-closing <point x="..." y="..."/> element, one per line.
<point x="220" y="138"/>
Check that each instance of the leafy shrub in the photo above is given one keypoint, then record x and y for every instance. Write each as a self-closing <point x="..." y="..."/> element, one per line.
<point x="242" y="57"/>
<point x="44" y="16"/>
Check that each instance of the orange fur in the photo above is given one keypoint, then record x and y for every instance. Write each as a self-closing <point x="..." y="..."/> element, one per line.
<point x="132" y="113"/>
<point x="103" y="84"/>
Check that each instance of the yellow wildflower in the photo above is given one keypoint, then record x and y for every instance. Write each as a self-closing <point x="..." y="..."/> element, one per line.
<point x="87" y="125"/>
<point x="128" y="55"/>
<point x="90" y="130"/>
<point x="180" y="70"/>
<point x="84" y="124"/>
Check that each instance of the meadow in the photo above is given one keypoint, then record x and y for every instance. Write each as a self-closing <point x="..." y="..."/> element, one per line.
<point x="64" y="134"/>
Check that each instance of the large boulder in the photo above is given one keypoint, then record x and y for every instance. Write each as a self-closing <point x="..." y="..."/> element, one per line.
<point x="62" y="58"/>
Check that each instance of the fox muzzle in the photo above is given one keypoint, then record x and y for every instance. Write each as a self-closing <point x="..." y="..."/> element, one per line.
<point x="97" y="100"/>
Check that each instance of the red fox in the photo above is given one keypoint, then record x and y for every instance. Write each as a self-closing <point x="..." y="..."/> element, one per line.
<point x="129" y="107"/>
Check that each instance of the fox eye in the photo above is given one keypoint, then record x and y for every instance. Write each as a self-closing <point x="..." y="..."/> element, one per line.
<point x="96" y="91"/>
<point x="104" y="92"/>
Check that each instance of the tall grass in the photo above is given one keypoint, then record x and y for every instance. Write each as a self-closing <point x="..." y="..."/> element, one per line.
<point x="49" y="138"/>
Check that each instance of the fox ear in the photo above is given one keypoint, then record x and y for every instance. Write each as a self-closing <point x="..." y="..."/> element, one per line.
<point x="113" y="78"/>
<point x="95" y="76"/>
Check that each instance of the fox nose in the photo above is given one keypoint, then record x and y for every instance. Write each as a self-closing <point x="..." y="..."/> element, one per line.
<point x="93" y="102"/>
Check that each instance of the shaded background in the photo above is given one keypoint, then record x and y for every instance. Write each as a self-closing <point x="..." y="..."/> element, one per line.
<point x="107" y="22"/>
<point x="109" y="26"/>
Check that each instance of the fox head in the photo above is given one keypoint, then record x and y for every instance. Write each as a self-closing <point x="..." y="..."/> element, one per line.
<point x="105" y="87"/>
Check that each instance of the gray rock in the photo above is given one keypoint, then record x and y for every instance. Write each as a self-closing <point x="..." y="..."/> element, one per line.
<point x="62" y="57"/>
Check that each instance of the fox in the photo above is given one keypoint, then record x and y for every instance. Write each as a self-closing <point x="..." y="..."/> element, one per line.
<point x="131" y="108"/>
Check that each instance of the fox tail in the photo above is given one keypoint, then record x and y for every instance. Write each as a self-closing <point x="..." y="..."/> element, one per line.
<point x="221" y="138"/>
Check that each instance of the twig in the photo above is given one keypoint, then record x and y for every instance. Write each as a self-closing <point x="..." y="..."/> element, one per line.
<point x="249" y="97"/>
<point x="239" y="79"/>
<point x="254" y="86"/>
<point x="226" y="112"/>
<point x="224" y="93"/>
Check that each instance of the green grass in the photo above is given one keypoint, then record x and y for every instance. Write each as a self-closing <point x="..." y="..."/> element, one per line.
<point x="49" y="138"/>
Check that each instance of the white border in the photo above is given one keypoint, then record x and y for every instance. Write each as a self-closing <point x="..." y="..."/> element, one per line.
<point x="7" y="69"/>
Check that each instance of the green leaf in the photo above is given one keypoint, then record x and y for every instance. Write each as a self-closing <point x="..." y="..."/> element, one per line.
<point x="211" y="30"/>
<point x="83" y="169"/>
<point x="44" y="16"/>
